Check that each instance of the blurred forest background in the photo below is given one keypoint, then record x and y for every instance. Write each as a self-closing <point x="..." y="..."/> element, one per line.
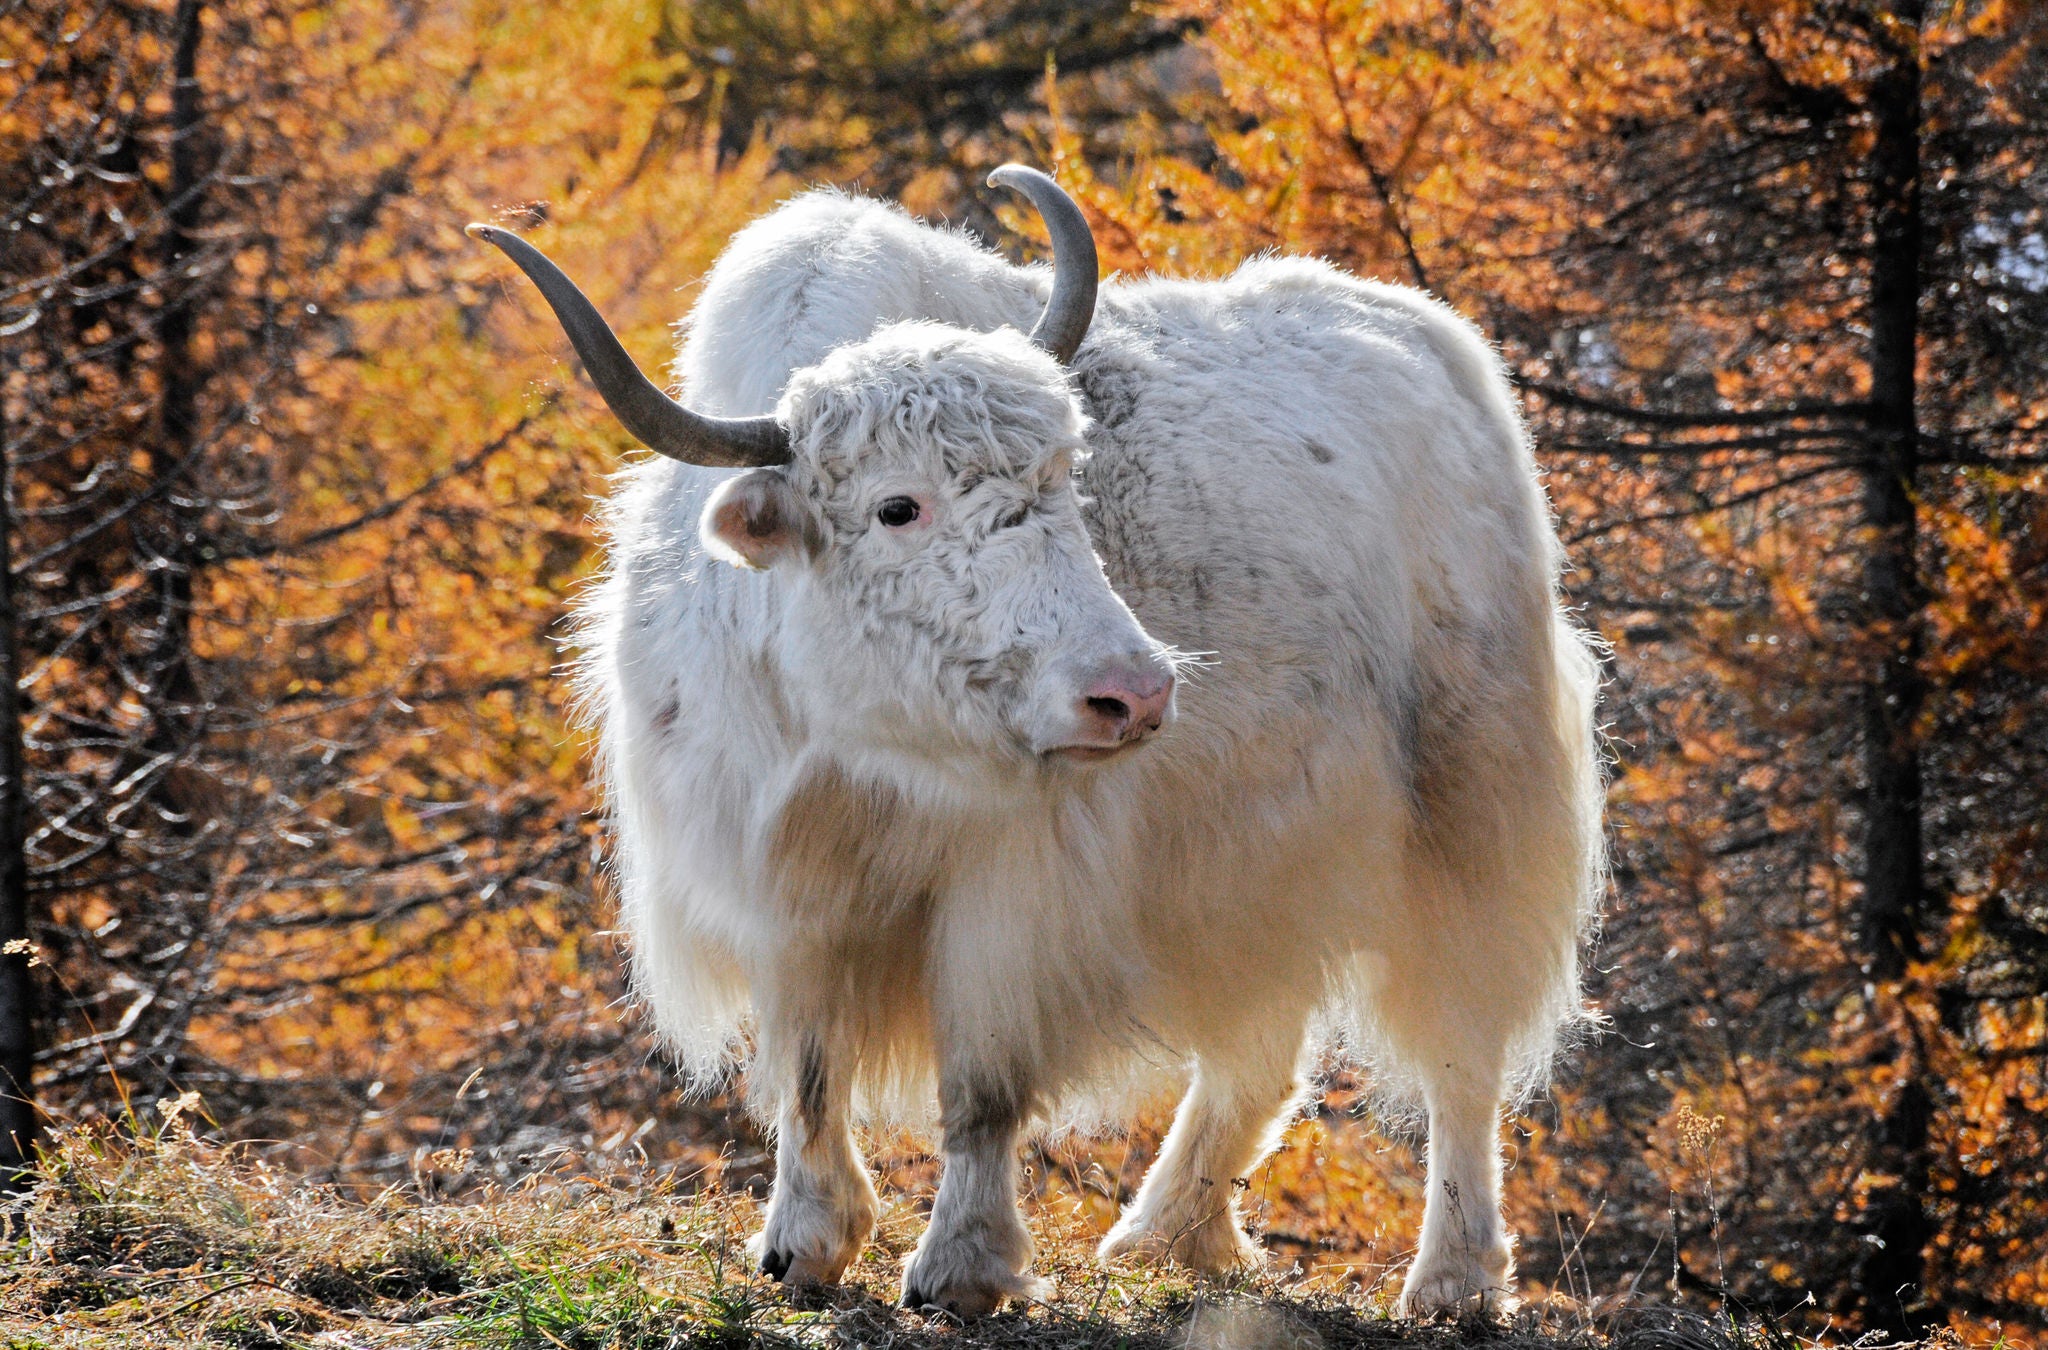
<point x="294" y="815"/>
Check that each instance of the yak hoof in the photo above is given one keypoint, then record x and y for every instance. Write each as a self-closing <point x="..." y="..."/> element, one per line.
<point x="1454" y="1293"/>
<point x="1215" y="1246"/>
<point x="964" y="1280"/>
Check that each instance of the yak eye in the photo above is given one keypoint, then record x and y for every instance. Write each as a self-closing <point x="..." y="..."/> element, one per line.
<point x="1015" y="516"/>
<point x="897" y="512"/>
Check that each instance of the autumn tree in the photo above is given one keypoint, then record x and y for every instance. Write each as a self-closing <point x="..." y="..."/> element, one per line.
<point x="113" y="174"/>
<point x="290" y="546"/>
<point x="917" y="101"/>
<point x="1827" y="210"/>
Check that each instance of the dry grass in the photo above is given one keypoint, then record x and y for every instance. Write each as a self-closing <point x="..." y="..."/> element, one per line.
<point x="163" y="1239"/>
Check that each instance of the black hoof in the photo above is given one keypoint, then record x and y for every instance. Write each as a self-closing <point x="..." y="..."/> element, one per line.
<point x="913" y="1298"/>
<point x="774" y="1264"/>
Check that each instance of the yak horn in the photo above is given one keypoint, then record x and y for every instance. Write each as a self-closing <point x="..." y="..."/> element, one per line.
<point x="1065" y="321"/>
<point x="656" y="420"/>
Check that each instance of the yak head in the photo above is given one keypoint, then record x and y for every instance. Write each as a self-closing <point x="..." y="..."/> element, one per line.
<point x="915" y="494"/>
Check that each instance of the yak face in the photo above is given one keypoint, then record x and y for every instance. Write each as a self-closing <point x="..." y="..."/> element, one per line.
<point x="944" y="599"/>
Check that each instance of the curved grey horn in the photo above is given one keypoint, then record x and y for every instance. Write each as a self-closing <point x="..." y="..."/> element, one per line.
<point x="1065" y="321"/>
<point x="656" y="420"/>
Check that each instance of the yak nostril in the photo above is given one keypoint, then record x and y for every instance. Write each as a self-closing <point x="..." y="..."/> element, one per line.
<point x="1115" y="709"/>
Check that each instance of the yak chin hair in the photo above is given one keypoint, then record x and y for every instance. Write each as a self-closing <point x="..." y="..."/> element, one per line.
<point x="991" y="401"/>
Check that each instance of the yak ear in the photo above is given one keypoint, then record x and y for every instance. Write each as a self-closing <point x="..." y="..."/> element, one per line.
<point x="756" y="519"/>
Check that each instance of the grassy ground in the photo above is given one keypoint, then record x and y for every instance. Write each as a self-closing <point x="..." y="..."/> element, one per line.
<point x="167" y="1240"/>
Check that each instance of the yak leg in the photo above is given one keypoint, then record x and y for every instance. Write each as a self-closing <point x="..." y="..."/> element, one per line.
<point x="1454" y="1037"/>
<point x="1187" y="1209"/>
<point x="976" y="1251"/>
<point x="1001" y="1020"/>
<point x="1464" y="1256"/>
<point x="823" y="1207"/>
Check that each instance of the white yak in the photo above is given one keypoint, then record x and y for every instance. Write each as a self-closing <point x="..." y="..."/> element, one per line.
<point x="1004" y="715"/>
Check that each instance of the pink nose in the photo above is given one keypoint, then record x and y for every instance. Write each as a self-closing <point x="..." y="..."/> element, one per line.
<point x="1128" y="698"/>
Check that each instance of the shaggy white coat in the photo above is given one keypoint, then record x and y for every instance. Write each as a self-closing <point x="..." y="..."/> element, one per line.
<point x="1377" y="808"/>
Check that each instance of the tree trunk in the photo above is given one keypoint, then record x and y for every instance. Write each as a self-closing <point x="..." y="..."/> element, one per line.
<point x="1890" y="1280"/>
<point x="1894" y="879"/>
<point x="17" y="982"/>
<point x="170" y="670"/>
<point x="168" y="533"/>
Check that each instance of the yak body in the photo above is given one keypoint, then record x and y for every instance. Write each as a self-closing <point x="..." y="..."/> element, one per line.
<point x="1376" y="809"/>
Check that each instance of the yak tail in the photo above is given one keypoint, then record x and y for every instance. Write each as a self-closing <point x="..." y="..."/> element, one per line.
<point x="1583" y="763"/>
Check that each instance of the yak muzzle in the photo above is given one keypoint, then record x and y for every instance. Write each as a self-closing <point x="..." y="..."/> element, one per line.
<point x="1121" y="702"/>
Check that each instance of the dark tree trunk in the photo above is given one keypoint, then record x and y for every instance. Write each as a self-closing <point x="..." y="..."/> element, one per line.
<point x="170" y="671"/>
<point x="17" y="982"/>
<point x="1891" y="1278"/>
<point x="168" y="535"/>
<point x="1894" y="875"/>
